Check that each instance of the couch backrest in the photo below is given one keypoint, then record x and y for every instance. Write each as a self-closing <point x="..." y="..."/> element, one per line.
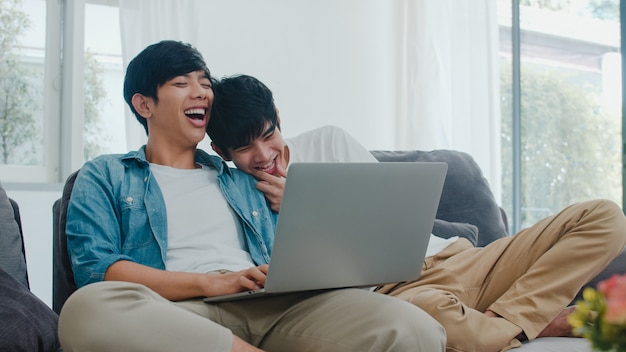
<point x="62" y="275"/>
<point x="466" y="196"/>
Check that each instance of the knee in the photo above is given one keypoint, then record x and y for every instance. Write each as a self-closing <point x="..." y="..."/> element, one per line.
<point x="83" y="299"/>
<point x="81" y="318"/>
<point x="466" y="329"/>
<point x="79" y="310"/>
<point x="411" y="328"/>
<point x="449" y="312"/>
<point x="603" y="208"/>
<point x="420" y="331"/>
<point x="435" y="302"/>
<point x="610" y="220"/>
<point x="80" y="300"/>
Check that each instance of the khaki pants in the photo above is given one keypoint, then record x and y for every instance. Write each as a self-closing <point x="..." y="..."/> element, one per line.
<point x="527" y="278"/>
<point x="119" y="316"/>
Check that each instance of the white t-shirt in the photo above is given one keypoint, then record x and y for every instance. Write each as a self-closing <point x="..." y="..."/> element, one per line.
<point x="333" y="144"/>
<point x="327" y="144"/>
<point x="203" y="232"/>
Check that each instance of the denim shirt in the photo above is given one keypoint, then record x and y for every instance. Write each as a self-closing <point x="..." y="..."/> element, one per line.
<point x="117" y="212"/>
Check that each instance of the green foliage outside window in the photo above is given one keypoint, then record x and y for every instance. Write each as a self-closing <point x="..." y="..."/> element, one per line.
<point x="21" y="96"/>
<point x="95" y="97"/>
<point x="18" y="92"/>
<point x="570" y="148"/>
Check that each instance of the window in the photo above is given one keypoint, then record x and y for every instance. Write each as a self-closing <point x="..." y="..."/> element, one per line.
<point x="92" y="114"/>
<point x="24" y="102"/>
<point x="103" y="76"/>
<point x="561" y="115"/>
<point x="55" y="115"/>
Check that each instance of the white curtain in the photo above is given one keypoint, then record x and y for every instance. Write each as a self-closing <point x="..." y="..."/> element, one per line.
<point x="401" y="74"/>
<point x="143" y="23"/>
<point x="449" y="80"/>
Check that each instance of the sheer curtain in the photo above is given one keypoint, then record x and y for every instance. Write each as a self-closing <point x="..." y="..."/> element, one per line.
<point x="143" y="23"/>
<point x="448" y="95"/>
<point x="397" y="75"/>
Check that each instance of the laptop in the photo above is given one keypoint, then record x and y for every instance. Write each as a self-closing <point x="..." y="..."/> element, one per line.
<point x="346" y="225"/>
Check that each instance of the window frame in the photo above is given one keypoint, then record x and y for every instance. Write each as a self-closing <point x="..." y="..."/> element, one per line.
<point x="63" y="120"/>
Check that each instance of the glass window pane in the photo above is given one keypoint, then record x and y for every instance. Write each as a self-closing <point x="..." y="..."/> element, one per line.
<point x="570" y="105"/>
<point x="22" y="56"/>
<point x="104" y="105"/>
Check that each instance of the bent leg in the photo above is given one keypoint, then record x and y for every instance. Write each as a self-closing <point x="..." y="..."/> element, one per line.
<point x="543" y="266"/>
<point x="120" y="316"/>
<point x="562" y="254"/>
<point x="467" y="328"/>
<point x="445" y="294"/>
<point x="354" y="320"/>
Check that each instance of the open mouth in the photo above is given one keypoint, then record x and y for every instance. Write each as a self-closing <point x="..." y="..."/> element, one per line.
<point x="196" y="113"/>
<point x="269" y="168"/>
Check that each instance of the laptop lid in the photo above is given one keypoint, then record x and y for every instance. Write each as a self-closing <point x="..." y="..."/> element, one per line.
<point x="353" y="224"/>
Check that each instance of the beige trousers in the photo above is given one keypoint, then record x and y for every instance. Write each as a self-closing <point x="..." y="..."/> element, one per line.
<point x="527" y="278"/>
<point x="119" y="316"/>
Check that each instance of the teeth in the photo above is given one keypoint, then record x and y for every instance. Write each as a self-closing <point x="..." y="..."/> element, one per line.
<point x="198" y="111"/>
<point x="265" y="167"/>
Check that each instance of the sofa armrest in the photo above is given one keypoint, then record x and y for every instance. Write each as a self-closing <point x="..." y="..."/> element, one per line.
<point x="12" y="252"/>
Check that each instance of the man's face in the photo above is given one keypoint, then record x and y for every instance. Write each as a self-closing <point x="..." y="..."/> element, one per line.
<point x="262" y="153"/>
<point x="182" y="110"/>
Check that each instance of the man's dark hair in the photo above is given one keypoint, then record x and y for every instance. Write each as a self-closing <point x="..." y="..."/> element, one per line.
<point x="157" y="64"/>
<point x="242" y="108"/>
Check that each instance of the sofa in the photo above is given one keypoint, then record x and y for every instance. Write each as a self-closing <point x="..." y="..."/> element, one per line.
<point x="467" y="208"/>
<point x="26" y="322"/>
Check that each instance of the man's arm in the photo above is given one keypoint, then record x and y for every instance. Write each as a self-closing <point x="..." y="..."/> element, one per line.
<point x="177" y="286"/>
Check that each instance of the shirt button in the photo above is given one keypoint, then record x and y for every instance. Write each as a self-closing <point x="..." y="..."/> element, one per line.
<point x="129" y="200"/>
<point x="145" y="179"/>
<point x="255" y="213"/>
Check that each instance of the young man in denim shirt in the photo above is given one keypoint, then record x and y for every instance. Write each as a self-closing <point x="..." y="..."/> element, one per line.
<point x="152" y="232"/>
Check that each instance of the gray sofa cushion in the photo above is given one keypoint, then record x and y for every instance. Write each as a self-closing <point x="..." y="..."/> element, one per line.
<point x="28" y="324"/>
<point x="12" y="258"/>
<point x="447" y="229"/>
<point x="555" y="344"/>
<point x="466" y="196"/>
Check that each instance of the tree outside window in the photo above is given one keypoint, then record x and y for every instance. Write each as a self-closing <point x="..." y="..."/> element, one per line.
<point x="21" y="96"/>
<point x="570" y="137"/>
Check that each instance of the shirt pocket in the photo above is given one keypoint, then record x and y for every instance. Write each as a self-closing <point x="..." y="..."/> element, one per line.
<point x="135" y="226"/>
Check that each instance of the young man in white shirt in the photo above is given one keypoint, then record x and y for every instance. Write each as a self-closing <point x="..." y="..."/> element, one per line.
<point x="487" y="299"/>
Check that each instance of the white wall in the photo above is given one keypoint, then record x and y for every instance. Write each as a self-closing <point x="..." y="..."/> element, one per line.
<point x="330" y="64"/>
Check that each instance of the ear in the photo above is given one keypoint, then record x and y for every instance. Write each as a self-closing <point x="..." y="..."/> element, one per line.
<point x="142" y="104"/>
<point x="219" y="152"/>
